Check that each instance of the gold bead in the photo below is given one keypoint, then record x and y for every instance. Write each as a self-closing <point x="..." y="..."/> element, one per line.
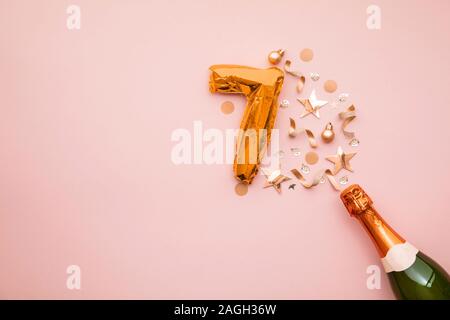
<point x="275" y="56"/>
<point x="328" y="133"/>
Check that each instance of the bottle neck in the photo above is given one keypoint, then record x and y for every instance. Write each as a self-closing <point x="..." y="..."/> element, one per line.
<point x="382" y="235"/>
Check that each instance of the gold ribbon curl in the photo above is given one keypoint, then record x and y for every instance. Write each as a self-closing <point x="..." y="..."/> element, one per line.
<point x="287" y="69"/>
<point x="316" y="180"/>
<point x="293" y="132"/>
<point x="348" y="116"/>
<point x="300" y="84"/>
<point x="297" y="74"/>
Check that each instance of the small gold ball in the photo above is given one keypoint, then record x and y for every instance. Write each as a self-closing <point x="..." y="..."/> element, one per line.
<point x="328" y="133"/>
<point x="275" y="56"/>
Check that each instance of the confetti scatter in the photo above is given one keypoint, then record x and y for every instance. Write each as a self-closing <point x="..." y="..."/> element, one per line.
<point x="311" y="158"/>
<point x="310" y="105"/>
<point x="343" y="180"/>
<point x="354" y="142"/>
<point x="227" y="107"/>
<point x="241" y="189"/>
<point x="284" y="103"/>
<point x="343" y="97"/>
<point x="315" y="76"/>
<point x="330" y="86"/>
<point x="305" y="169"/>
<point x="296" y="152"/>
<point x="306" y="55"/>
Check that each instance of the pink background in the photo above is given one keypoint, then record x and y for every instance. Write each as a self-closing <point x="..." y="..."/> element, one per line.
<point x="86" y="176"/>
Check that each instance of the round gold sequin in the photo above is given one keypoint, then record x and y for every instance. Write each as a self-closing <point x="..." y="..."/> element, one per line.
<point x="306" y="55"/>
<point x="241" y="189"/>
<point x="227" y="107"/>
<point x="330" y="86"/>
<point x="311" y="157"/>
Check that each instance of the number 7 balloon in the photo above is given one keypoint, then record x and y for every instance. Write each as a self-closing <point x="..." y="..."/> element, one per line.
<point x="261" y="87"/>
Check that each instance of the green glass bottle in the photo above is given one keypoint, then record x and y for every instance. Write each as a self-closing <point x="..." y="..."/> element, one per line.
<point x="412" y="275"/>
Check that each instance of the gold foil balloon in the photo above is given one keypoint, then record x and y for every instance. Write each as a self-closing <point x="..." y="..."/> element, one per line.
<point x="328" y="133"/>
<point x="275" y="56"/>
<point x="261" y="88"/>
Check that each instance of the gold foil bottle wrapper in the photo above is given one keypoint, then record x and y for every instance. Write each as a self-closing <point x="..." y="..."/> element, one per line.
<point x="360" y="205"/>
<point x="356" y="200"/>
<point x="261" y="87"/>
<point x="293" y="132"/>
<point x="348" y="116"/>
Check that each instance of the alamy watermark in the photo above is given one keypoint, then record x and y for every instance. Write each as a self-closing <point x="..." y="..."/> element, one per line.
<point x="373" y="281"/>
<point x="216" y="146"/>
<point x="373" y="21"/>
<point x="73" y="21"/>
<point x="73" y="281"/>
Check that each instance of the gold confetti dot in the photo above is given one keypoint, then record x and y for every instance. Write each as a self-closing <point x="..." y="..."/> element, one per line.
<point x="241" y="189"/>
<point x="306" y="55"/>
<point x="227" y="107"/>
<point x="330" y="86"/>
<point x="311" y="157"/>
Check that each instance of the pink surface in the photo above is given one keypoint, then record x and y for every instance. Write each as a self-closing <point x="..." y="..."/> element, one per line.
<point x="85" y="171"/>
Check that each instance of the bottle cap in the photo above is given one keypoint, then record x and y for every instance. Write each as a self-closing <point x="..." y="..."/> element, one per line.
<point x="355" y="200"/>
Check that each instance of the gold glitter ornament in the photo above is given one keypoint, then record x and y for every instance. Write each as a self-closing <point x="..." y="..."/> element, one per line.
<point x="328" y="133"/>
<point x="275" y="56"/>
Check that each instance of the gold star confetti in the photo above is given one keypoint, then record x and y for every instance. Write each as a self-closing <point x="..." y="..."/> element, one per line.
<point x="312" y="105"/>
<point x="274" y="179"/>
<point x="341" y="161"/>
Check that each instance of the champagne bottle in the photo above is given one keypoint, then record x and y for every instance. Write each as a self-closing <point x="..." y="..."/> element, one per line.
<point x="412" y="274"/>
